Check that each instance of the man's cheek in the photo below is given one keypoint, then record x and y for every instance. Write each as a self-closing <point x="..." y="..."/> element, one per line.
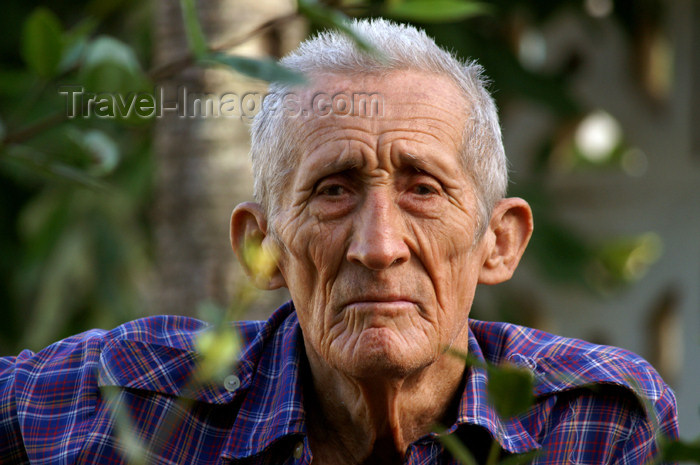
<point x="436" y="244"/>
<point x="452" y="240"/>
<point x="294" y="233"/>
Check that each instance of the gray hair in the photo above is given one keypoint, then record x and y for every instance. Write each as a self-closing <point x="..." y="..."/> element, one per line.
<point x="401" y="47"/>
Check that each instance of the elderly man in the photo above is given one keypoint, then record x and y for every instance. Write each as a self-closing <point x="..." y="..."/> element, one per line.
<point x="384" y="218"/>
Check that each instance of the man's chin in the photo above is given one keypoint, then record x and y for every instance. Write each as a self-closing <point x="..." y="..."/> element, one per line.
<point x="378" y="352"/>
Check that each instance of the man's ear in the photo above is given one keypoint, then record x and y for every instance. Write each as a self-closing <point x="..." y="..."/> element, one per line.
<point x="509" y="232"/>
<point x="256" y="251"/>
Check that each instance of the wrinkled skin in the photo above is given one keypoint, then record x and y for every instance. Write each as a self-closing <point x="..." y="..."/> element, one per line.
<point x="379" y="223"/>
<point x="379" y="249"/>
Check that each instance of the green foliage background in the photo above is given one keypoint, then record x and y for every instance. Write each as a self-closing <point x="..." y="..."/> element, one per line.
<point x="75" y="194"/>
<point x="75" y="229"/>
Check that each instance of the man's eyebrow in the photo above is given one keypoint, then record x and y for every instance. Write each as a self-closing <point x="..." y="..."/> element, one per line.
<point x="348" y="162"/>
<point x="417" y="163"/>
<point x="340" y="164"/>
<point x="443" y="172"/>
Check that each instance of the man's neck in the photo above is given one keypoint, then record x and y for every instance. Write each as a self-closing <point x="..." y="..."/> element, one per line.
<point x="373" y="420"/>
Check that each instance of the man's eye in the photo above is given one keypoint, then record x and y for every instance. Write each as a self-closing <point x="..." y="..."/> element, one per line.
<point x="424" y="189"/>
<point x="332" y="190"/>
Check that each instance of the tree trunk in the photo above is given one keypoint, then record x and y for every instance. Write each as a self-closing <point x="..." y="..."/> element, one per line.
<point x="203" y="169"/>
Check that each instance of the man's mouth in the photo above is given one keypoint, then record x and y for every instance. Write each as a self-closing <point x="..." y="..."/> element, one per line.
<point x="385" y="305"/>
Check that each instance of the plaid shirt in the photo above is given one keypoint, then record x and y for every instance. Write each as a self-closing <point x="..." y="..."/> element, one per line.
<point x="57" y="406"/>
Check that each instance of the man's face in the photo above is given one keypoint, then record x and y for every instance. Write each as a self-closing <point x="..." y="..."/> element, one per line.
<point x="378" y="224"/>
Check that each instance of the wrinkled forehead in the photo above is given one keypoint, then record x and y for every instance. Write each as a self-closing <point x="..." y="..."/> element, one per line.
<point x="381" y="95"/>
<point x="427" y="106"/>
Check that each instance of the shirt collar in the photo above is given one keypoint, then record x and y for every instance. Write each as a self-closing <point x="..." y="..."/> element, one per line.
<point x="273" y="406"/>
<point x="474" y="409"/>
<point x="270" y="394"/>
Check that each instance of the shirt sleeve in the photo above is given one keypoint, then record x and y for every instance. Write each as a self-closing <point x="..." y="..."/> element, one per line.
<point x="661" y="422"/>
<point x="47" y="400"/>
<point x="606" y="425"/>
<point x="11" y="445"/>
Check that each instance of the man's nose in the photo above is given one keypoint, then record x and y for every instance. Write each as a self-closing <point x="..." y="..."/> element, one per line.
<point x="379" y="233"/>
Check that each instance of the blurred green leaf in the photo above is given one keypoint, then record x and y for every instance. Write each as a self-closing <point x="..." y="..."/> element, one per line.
<point x="627" y="259"/>
<point x="111" y="66"/>
<point x="327" y="17"/>
<point x="677" y="451"/>
<point x="75" y="43"/>
<point x="135" y="450"/>
<point x="71" y="174"/>
<point x="66" y="276"/>
<point x="101" y="151"/>
<point x="41" y="225"/>
<point x="510" y="389"/>
<point x="218" y="347"/>
<point x="436" y="11"/>
<point x="44" y="212"/>
<point x="212" y="313"/>
<point x="195" y="36"/>
<point x="520" y="459"/>
<point x="266" y="69"/>
<point x="40" y="164"/>
<point x="42" y="42"/>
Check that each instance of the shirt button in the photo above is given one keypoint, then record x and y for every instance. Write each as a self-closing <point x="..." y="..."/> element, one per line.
<point x="231" y="383"/>
<point x="298" y="450"/>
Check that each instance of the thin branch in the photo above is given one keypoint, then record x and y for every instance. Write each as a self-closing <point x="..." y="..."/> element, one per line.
<point x="33" y="129"/>
<point x="170" y="69"/>
<point x="274" y="22"/>
<point x="156" y="74"/>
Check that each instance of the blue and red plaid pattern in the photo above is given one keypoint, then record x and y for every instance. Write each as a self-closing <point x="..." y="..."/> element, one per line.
<point x="595" y="404"/>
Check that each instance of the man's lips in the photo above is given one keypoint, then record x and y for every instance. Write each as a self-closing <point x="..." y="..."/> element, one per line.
<point x="382" y="304"/>
<point x="386" y="297"/>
